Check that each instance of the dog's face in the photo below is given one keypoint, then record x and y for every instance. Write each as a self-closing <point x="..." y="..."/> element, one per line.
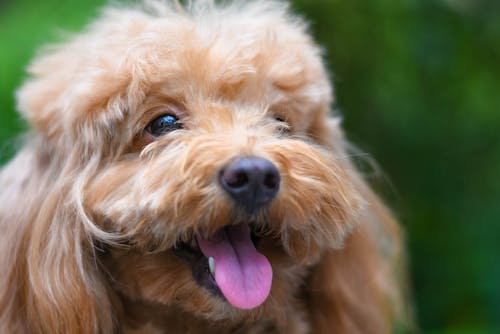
<point x="196" y="140"/>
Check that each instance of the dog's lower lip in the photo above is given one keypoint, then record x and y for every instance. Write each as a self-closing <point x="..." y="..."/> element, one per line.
<point x="185" y="251"/>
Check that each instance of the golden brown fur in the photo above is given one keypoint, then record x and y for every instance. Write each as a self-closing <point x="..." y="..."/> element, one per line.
<point x="92" y="205"/>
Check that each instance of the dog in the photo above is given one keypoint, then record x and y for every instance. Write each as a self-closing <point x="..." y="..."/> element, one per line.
<point x="184" y="173"/>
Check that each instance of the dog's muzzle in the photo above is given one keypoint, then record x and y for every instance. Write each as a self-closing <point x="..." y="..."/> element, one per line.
<point x="252" y="182"/>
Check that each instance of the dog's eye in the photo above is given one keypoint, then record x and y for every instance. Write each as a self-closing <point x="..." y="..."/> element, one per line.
<point x="164" y="124"/>
<point x="284" y="127"/>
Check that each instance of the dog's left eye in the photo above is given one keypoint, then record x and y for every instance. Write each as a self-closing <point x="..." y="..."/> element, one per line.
<point x="164" y="124"/>
<point x="284" y="127"/>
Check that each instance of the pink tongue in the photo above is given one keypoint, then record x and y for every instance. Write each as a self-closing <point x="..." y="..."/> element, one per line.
<point x="243" y="274"/>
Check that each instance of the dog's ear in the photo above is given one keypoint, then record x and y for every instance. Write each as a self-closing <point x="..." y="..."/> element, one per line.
<point x="50" y="281"/>
<point x="357" y="289"/>
<point x="67" y="100"/>
<point x="59" y="91"/>
<point x="78" y="107"/>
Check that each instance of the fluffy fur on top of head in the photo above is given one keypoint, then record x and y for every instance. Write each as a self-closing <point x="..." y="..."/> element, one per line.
<point x="98" y="206"/>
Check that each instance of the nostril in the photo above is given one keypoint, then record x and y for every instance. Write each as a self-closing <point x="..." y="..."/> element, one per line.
<point x="271" y="180"/>
<point x="235" y="179"/>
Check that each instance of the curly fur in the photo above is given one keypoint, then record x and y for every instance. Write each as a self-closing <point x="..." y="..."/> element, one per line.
<point x="91" y="207"/>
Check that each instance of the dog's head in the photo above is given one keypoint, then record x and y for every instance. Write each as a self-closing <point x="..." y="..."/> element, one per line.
<point x="198" y="145"/>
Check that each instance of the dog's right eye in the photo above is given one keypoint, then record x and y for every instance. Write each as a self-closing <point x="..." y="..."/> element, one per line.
<point x="163" y="125"/>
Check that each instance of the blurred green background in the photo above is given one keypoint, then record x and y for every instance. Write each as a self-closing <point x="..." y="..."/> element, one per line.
<point x="418" y="83"/>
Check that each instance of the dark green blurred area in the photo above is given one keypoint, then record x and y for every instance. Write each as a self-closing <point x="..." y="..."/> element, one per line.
<point x="418" y="83"/>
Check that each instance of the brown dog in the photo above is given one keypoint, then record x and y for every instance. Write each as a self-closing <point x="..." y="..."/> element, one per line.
<point x="183" y="175"/>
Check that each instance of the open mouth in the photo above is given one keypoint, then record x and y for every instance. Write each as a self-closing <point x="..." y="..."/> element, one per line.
<point x="228" y="265"/>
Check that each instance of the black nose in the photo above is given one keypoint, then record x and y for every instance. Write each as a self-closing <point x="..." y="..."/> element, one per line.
<point x="251" y="181"/>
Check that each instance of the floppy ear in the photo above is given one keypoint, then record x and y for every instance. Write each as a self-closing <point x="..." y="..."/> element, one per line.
<point x="42" y="98"/>
<point x="65" y="98"/>
<point x="356" y="289"/>
<point x="50" y="281"/>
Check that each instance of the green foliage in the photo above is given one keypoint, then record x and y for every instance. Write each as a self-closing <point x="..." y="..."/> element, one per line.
<point x="24" y="26"/>
<point x="416" y="82"/>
